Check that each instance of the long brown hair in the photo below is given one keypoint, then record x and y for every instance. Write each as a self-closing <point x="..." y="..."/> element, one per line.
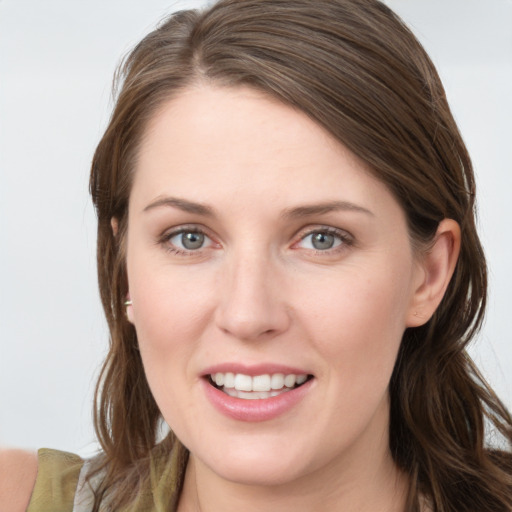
<point x="357" y="70"/>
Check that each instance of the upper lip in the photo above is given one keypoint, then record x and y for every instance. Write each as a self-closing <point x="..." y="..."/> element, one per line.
<point x="253" y="369"/>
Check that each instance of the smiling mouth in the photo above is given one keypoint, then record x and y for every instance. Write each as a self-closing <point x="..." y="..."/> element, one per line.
<point x="258" y="387"/>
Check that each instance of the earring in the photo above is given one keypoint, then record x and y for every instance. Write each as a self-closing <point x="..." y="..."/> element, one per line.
<point x="128" y="303"/>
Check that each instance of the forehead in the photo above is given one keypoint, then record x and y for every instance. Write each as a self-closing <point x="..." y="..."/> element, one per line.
<point x="227" y="143"/>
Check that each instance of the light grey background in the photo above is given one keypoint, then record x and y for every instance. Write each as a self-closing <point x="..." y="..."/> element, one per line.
<point x="57" y="58"/>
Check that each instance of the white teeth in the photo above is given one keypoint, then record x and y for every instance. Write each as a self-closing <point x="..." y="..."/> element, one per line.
<point x="301" y="379"/>
<point x="243" y="382"/>
<point x="253" y="395"/>
<point x="277" y="381"/>
<point x="261" y="383"/>
<point x="229" y="380"/>
<point x="289" y="381"/>
<point x="266" y="384"/>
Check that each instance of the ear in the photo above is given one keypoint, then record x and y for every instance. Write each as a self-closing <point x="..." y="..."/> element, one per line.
<point x="435" y="269"/>
<point x="115" y="225"/>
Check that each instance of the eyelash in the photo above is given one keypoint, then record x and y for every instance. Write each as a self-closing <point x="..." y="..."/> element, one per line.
<point x="345" y="239"/>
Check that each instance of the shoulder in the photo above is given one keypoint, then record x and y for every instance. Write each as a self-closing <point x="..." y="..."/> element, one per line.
<point x="18" y="471"/>
<point x="57" y="479"/>
<point x="46" y="481"/>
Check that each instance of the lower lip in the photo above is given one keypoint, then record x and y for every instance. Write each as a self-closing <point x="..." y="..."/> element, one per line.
<point x="263" y="409"/>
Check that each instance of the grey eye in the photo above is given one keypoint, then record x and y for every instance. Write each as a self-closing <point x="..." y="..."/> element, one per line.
<point x="322" y="241"/>
<point x="192" y="240"/>
<point x="188" y="240"/>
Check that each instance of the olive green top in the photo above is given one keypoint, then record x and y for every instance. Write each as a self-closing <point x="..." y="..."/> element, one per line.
<point x="61" y="486"/>
<point x="57" y="479"/>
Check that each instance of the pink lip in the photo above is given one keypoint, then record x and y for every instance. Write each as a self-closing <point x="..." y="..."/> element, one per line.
<point x="253" y="370"/>
<point x="255" y="410"/>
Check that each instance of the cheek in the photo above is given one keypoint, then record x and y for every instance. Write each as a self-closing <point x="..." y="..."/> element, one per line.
<point x="169" y="304"/>
<point x="357" y="319"/>
<point x="169" y="316"/>
<point x="169" y="309"/>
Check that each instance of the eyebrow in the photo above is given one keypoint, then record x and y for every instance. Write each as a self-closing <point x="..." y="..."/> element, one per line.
<point x="324" y="208"/>
<point x="296" y="212"/>
<point x="181" y="204"/>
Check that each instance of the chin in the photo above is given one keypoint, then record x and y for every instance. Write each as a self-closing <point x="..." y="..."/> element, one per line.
<point x="266" y="473"/>
<point x="256" y="466"/>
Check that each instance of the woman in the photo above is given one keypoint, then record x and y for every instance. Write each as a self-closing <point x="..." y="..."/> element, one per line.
<point x="290" y="269"/>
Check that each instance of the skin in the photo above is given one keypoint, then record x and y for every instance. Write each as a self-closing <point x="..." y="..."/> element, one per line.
<point x="258" y="292"/>
<point x="18" y="470"/>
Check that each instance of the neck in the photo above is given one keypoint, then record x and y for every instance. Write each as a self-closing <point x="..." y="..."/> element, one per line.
<point x="363" y="482"/>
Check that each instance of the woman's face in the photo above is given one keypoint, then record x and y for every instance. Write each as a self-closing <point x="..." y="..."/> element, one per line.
<point x="262" y="255"/>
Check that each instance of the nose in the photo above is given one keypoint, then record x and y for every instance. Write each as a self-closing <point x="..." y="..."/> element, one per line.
<point x="251" y="302"/>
